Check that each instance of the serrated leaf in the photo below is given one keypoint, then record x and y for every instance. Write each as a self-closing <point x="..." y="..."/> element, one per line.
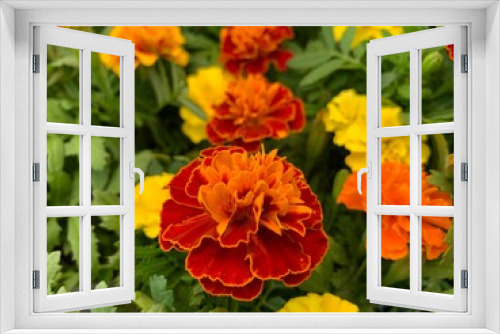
<point x="143" y="301"/>
<point x="53" y="267"/>
<point x="73" y="237"/>
<point x="53" y="234"/>
<point x="55" y="153"/>
<point x="306" y="60"/>
<point x="321" y="72"/>
<point x="159" y="292"/>
<point x="347" y="38"/>
<point x="98" y="154"/>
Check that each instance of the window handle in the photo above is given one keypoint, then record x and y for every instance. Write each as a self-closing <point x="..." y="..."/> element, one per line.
<point x="368" y="171"/>
<point x="138" y="171"/>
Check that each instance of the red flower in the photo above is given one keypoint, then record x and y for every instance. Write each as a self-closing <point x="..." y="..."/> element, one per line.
<point x="251" y="49"/>
<point x="253" y="109"/>
<point x="450" y="50"/>
<point x="243" y="218"/>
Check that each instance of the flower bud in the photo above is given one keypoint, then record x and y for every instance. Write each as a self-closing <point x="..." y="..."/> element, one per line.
<point x="432" y="62"/>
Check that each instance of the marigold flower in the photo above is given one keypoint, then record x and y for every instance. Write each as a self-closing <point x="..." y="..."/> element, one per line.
<point x="251" y="49"/>
<point x="450" y="48"/>
<point x="365" y="33"/>
<point x="207" y="87"/>
<point x="346" y="116"/>
<point x="243" y="218"/>
<point x="313" y="302"/>
<point x="395" y="178"/>
<point x="151" y="43"/>
<point x="148" y="206"/>
<point x="253" y="109"/>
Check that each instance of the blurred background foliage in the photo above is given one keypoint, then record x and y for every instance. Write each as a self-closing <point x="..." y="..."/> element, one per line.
<point x="320" y="68"/>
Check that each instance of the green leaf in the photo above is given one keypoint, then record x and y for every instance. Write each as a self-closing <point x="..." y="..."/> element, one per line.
<point x="59" y="188"/>
<point x="94" y="253"/>
<point x="321" y="72"/>
<point x="53" y="267"/>
<point x="198" y="41"/>
<point x="193" y="107"/>
<point x="99" y="155"/>
<point x="74" y="237"/>
<point x="388" y="78"/>
<point x="347" y="38"/>
<point x="306" y="60"/>
<point x="72" y="147"/>
<point x="338" y="183"/>
<point x="55" y="153"/>
<point x="143" y="301"/>
<point x="53" y="233"/>
<point x="159" y="292"/>
<point x="327" y="37"/>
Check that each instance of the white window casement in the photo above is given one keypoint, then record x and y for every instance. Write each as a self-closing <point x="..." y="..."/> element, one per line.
<point x="472" y="310"/>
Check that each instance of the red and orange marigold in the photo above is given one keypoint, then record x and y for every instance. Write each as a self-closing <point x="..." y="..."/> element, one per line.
<point x="395" y="178"/>
<point x="253" y="109"/>
<point x="450" y="48"/>
<point x="251" y="49"/>
<point x="243" y="218"/>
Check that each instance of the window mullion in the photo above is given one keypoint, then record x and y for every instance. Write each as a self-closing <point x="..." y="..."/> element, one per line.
<point x="415" y="248"/>
<point x="85" y="236"/>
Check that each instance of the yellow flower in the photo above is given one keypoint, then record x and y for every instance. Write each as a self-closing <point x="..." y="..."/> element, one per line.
<point x="148" y="206"/>
<point x="346" y="116"/>
<point x="150" y="44"/>
<point x="365" y="33"/>
<point x="206" y="88"/>
<point x="319" y="303"/>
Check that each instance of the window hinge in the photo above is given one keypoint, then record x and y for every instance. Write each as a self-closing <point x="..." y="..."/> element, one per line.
<point x="464" y="172"/>
<point x="465" y="279"/>
<point x="465" y="64"/>
<point x="36" y="172"/>
<point x="36" y="279"/>
<point x="36" y="63"/>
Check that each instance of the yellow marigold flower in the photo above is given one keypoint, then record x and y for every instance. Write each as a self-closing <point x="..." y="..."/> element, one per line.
<point x="149" y="205"/>
<point x="319" y="303"/>
<point x="206" y="87"/>
<point x="365" y="33"/>
<point x="346" y="116"/>
<point x="151" y="43"/>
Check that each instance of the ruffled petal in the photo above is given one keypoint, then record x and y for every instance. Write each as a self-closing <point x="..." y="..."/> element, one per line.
<point x="177" y="186"/>
<point x="189" y="234"/>
<point x="243" y="293"/>
<point x="262" y="251"/>
<point x="227" y="265"/>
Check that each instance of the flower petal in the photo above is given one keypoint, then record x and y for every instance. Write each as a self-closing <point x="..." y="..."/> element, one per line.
<point x="178" y="185"/>
<point x="300" y="118"/>
<point x="228" y="265"/>
<point x="262" y="251"/>
<point x="190" y="233"/>
<point x="243" y="293"/>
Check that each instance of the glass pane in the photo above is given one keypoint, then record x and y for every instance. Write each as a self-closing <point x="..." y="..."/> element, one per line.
<point x="105" y="176"/>
<point x="438" y="175"/>
<point x="395" y="85"/>
<point x="63" y="85"/>
<point x="437" y="254"/>
<point x="63" y="253"/>
<point x="105" y="93"/>
<point x="395" y="251"/>
<point x="63" y="180"/>
<point x="105" y="250"/>
<point x="395" y="170"/>
<point x="437" y="84"/>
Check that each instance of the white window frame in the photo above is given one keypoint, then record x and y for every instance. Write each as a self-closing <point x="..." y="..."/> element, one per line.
<point x="414" y="44"/>
<point x="85" y="43"/>
<point x="484" y="103"/>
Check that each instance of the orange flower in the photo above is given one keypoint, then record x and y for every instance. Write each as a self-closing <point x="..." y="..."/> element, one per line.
<point x="396" y="229"/>
<point x="450" y="50"/>
<point x="243" y="218"/>
<point x="150" y="44"/>
<point x="253" y="109"/>
<point x="251" y="49"/>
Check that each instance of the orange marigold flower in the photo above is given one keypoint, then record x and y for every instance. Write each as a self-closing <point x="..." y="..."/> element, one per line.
<point x="396" y="229"/>
<point x="450" y="50"/>
<point x="251" y="49"/>
<point x="243" y="218"/>
<point x="151" y="43"/>
<point x="253" y="109"/>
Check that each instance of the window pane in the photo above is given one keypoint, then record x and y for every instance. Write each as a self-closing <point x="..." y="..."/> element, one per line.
<point x="63" y="85"/>
<point x="395" y="85"/>
<point x="105" y="177"/>
<point x="105" y="94"/>
<point x="438" y="175"/>
<point x="437" y="254"/>
<point x="437" y="84"/>
<point x="395" y="170"/>
<point x="105" y="248"/>
<point x="395" y="251"/>
<point x="63" y="180"/>
<point x="63" y="255"/>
